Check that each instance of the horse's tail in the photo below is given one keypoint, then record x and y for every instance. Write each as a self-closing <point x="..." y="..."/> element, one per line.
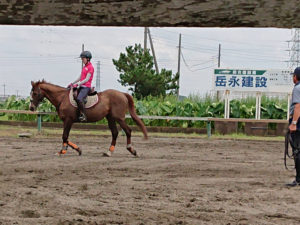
<point x="136" y="119"/>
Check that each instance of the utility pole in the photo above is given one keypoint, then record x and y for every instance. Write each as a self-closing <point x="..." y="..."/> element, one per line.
<point x="153" y="53"/>
<point x="82" y="49"/>
<point x="145" y="39"/>
<point x="219" y="63"/>
<point x="219" y="56"/>
<point x="178" y="69"/>
<point x="4" y="90"/>
<point x="98" y="77"/>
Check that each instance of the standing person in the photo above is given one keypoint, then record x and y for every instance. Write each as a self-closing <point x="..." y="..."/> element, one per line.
<point x="84" y="83"/>
<point x="294" y="126"/>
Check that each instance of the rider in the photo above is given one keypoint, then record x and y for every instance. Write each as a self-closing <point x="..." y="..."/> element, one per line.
<point x="84" y="82"/>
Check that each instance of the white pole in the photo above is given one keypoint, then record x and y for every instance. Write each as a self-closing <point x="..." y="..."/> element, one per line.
<point x="227" y="105"/>
<point x="258" y="106"/>
<point x="288" y="106"/>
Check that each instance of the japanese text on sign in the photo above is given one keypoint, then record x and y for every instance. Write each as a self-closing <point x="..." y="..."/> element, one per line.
<point x="252" y="80"/>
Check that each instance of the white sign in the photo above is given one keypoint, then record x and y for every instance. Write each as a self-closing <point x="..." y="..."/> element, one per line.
<point x="253" y="80"/>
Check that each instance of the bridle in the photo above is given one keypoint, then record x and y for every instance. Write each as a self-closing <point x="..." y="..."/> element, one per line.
<point x="39" y="97"/>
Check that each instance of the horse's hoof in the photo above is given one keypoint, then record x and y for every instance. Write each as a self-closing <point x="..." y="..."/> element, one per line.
<point x="79" y="151"/>
<point x="132" y="151"/>
<point x="135" y="154"/>
<point x="62" y="152"/>
<point x="107" y="154"/>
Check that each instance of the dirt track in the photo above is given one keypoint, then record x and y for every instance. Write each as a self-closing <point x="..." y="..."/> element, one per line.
<point x="174" y="181"/>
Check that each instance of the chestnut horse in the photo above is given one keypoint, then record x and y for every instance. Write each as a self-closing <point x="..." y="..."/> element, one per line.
<point x="112" y="104"/>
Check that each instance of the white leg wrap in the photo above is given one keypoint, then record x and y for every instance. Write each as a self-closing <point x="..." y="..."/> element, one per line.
<point x="129" y="146"/>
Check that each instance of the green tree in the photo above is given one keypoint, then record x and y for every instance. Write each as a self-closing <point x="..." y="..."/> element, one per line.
<point x="136" y="71"/>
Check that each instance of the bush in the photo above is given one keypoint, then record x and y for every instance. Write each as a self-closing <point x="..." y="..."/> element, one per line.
<point x="193" y="106"/>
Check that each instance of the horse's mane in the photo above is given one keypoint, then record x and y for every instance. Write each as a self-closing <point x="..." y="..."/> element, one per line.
<point x="45" y="82"/>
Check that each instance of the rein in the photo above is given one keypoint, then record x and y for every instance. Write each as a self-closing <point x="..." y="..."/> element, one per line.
<point x="289" y="141"/>
<point x="48" y="96"/>
<point x="61" y="102"/>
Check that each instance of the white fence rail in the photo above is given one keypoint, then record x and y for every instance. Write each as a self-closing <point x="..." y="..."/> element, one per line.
<point x="208" y="120"/>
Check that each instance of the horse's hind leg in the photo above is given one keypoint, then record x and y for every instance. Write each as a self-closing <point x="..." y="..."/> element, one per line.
<point x="114" y="132"/>
<point x="127" y="130"/>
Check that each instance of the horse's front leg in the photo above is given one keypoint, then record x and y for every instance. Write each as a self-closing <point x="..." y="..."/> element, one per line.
<point x="67" y="127"/>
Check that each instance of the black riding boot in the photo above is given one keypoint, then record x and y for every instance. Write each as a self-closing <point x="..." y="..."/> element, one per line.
<point x="82" y="116"/>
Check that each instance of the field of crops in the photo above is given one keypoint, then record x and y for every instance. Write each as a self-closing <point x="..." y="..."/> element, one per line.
<point x="193" y="106"/>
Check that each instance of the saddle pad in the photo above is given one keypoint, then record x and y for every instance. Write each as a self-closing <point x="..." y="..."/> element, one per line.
<point x="91" y="100"/>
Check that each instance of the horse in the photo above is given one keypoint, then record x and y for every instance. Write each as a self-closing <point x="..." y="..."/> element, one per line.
<point x="112" y="104"/>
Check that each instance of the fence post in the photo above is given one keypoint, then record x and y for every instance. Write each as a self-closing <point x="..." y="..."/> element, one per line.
<point x="39" y="122"/>
<point x="208" y="128"/>
<point x="258" y="106"/>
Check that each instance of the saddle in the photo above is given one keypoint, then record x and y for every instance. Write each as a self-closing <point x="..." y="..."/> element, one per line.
<point x="92" y="92"/>
<point x="91" y="100"/>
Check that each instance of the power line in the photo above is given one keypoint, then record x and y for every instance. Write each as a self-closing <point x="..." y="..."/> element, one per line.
<point x="189" y="45"/>
<point x="253" y="57"/>
<point x="231" y="51"/>
<point x="188" y="67"/>
<point x="222" y="40"/>
<point x="243" y="54"/>
<point x="199" y="64"/>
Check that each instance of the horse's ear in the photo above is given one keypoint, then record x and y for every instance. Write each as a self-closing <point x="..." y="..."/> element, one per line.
<point x="32" y="83"/>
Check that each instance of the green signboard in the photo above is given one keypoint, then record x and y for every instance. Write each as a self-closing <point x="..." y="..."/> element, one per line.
<point x="271" y="80"/>
<point x="240" y="72"/>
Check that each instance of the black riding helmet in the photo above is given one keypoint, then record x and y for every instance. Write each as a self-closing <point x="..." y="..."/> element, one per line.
<point x="86" y="54"/>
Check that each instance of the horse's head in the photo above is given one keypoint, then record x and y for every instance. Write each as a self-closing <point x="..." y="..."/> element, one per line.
<point x="36" y="96"/>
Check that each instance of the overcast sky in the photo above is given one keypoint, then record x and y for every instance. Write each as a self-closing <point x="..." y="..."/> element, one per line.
<point x="36" y="52"/>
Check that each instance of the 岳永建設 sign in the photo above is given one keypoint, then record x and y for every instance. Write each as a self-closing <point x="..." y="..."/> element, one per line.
<point x="271" y="80"/>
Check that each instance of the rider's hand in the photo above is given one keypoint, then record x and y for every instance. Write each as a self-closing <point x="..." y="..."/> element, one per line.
<point x="292" y="127"/>
<point x="75" y="86"/>
<point x="70" y="85"/>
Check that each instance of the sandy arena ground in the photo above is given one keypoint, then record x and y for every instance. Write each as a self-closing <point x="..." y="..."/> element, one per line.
<point x="174" y="181"/>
